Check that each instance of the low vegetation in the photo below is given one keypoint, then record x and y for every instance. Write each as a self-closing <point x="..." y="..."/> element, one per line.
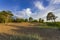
<point x="25" y="25"/>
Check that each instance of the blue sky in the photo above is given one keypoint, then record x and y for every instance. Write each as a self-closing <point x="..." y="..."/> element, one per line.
<point x="34" y="8"/>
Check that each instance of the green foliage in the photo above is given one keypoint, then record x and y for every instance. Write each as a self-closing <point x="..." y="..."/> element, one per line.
<point x="51" y="16"/>
<point x="53" y="24"/>
<point x="23" y="38"/>
<point x="11" y="19"/>
<point x="26" y="20"/>
<point x="2" y="20"/>
<point x="19" y="20"/>
<point x="5" y="16"/>
<point x="30" y="19"/>
<point x="41" y="20"/>
<point x="35" y="21"/>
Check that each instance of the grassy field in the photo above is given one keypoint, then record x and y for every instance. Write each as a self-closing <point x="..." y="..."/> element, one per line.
<point x="29" y="31"/>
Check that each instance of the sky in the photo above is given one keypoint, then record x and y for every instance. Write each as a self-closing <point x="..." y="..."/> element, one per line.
<point x="31" y="8"/>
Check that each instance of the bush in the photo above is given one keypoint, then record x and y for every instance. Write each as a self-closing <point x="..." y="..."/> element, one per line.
<point x="34" y="21"/>
<point x="53" y="24"/>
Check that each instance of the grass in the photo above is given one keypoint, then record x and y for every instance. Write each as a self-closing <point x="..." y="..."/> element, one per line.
<point x="18" y="28"/>
<point x="5" y="36"/>
<point x="50" y="25"/>
<point x="26" y="37"/>
<point x="6" y="30"/>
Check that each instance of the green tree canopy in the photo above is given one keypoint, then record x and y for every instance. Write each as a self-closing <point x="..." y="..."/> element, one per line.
<point x="41" y="20"/>
<point x="30" y="19"/>
<point x="51" y="16"/>
<point x="5" y="15"/>
<point x="26" y="20"/>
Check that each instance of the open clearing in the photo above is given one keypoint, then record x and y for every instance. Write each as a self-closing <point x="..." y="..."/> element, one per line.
<point x="28" y="29"/>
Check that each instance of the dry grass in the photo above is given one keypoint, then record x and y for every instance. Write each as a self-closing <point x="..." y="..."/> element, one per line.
<point x="28" y="30"/>
<point x="6" y="28"/>
<point x="6" y="31"/>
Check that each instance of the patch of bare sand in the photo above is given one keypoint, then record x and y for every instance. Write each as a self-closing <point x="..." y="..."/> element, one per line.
<point x="6" y="28"/>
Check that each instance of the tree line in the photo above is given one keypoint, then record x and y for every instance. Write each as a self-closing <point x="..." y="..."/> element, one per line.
<point x="7" y="16"/>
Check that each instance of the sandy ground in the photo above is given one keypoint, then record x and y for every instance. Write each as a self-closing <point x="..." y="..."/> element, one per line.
<point x="6" y="28"/>
<point x="28" y="28"/>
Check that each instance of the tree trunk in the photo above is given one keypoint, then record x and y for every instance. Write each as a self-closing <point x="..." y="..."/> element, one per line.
<point x="54" y="20"/>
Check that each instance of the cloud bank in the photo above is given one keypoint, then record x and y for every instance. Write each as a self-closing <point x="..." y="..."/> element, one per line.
<point x="41" y="11"/>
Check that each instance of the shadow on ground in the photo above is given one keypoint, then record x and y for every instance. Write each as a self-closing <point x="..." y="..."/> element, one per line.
<point x="4" y="36"/>
<point x="45" y="33"/>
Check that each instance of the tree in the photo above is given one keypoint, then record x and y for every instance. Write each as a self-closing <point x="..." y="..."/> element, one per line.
<point x="9" y="16"/>
<point x="51" y="16"/>
<point x="2" y="19"/>
<point x="5" y="16"/>
<point x="41" y="20"/>
<point x="35" y="20"/>
<point x="19" y="20"/>
<point x="30" y="19"/>
<point x="26" y="20"/>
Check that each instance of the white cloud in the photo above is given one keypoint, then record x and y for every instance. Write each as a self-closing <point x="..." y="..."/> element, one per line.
<point x="56" y="1"/>
<point x="28" y="11"/>
<point x="52" y="7"/>
<point x="42" y="11"/>
<point x="39" y="5"/>
<point x="24" y="13"/>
